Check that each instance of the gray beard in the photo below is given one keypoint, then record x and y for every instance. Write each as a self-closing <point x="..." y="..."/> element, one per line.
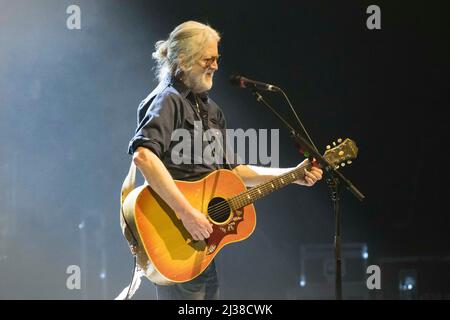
<point x="196" y="87"/>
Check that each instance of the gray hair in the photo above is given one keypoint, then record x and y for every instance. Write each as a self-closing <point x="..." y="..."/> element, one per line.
<point x="183" y="48"/>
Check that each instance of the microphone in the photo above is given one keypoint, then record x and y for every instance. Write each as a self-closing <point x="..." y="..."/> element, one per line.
<point x="243" y="82"/>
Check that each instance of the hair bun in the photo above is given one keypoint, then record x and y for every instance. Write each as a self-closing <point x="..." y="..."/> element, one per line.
<point x="160" y="50"/>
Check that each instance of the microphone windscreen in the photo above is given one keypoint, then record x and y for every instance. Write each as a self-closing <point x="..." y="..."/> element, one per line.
<point x="236" y="81"/>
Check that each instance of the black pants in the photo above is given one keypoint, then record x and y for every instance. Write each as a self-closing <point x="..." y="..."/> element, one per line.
<point x="204" y="287"/>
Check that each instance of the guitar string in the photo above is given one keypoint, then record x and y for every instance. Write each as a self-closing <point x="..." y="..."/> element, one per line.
<point x="182" y="247"/>
<point x="252" y="193"/>
<point x="217" y="209"/>
<point x="240" y="201"/>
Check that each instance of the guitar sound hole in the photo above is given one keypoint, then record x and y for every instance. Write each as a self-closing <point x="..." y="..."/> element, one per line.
<point x="218" y="210"/>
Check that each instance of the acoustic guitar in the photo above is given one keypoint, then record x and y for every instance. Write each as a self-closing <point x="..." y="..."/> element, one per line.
<point x="172" y="256"/>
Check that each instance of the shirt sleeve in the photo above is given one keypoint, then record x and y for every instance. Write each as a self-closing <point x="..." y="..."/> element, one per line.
<point x="155" y="129"/>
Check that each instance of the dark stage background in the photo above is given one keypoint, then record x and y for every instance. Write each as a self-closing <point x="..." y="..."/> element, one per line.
<point x="68" y="102"/>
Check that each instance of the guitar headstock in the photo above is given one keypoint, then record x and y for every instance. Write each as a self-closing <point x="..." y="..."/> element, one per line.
<point x="341" y="153"/>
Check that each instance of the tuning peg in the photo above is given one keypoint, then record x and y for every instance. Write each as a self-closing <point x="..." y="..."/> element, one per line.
<point x="349" y="162"/>
<point x="328" y="147"/>
<point x="334" y="143"/>
<point x="339" y="140"/>
<point x="336" y="167"/>
<point x="343" y="164"/>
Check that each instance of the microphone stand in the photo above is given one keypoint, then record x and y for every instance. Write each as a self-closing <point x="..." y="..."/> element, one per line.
<point x="333" y="178"/>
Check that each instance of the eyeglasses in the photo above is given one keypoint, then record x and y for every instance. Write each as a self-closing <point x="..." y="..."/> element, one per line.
<point x="209" y="61"/>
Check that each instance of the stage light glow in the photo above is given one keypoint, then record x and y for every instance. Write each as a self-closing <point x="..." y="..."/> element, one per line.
<point x="302" y="282"/>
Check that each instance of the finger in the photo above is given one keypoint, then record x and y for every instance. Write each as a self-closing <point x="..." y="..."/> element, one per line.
<point x="317" y="171"/>
<point x="305" y="177"/>
<point x="310" y="176"/>
<point x="210" y="228"/>
<point x="318" y="176"/>
<point x="205" y="234"/>
<point x="315" y="175"/>
<point x="200" y="237"/>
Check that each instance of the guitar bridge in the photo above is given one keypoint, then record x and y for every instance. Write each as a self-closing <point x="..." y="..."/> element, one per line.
<point x="211" y="248"/>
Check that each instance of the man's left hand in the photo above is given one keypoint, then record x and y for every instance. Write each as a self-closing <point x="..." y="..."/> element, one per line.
<point x="311" y="176"/>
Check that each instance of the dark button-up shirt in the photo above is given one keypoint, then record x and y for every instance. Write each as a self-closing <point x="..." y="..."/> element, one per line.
<point x="172" y="106"/>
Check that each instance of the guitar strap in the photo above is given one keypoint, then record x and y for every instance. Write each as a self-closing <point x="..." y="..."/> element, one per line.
<point x="128" y="186"/>
<point x="199" y="113"/>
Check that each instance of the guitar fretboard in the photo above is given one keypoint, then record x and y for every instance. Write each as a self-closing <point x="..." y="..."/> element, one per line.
<point x="245" y="198"/>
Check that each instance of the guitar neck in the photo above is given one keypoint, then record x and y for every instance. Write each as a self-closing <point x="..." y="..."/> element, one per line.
<point x="245" y="198"/>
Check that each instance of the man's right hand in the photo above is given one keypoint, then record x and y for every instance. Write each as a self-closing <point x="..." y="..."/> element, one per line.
<point x="161" y="181"/>
<point x="196" y="224"/>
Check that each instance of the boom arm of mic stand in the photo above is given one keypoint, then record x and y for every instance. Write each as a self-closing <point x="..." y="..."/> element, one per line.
<point x="312" y="151"/>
